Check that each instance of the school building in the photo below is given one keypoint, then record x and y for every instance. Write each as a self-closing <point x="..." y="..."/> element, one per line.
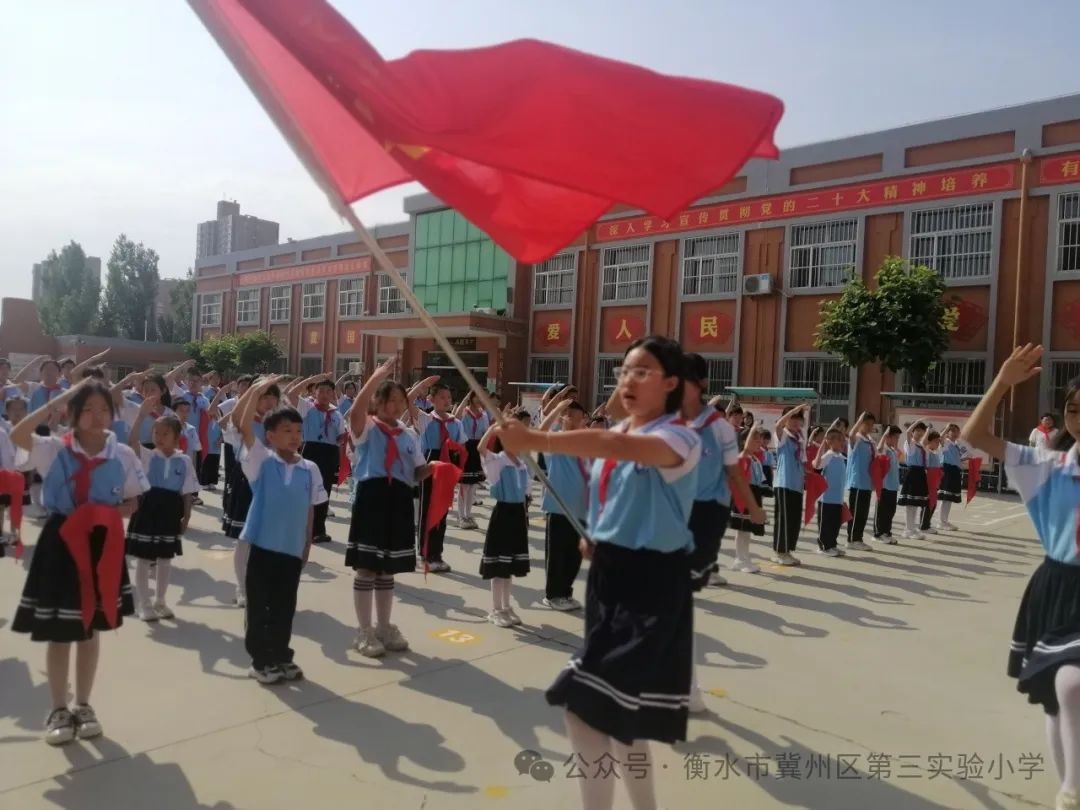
<point x="990" y="200"/>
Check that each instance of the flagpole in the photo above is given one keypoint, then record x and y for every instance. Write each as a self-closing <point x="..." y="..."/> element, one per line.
<point x="294" y="137"/>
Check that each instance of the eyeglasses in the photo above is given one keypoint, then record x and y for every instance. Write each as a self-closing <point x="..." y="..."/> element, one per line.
<point x="635" y="373"/>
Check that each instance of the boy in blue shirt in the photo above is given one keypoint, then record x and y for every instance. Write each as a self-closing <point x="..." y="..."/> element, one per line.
<point x="788" y="484"/>
<point x="832" y="464"/>
<point x="890" y="484"/>
<point x="285" y="489"/>
<point x="858" y="483"/>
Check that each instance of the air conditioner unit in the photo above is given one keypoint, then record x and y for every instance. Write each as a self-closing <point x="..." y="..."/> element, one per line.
<point x="758" y="284"/>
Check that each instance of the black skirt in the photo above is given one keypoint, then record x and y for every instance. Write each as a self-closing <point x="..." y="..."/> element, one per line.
<point x="235" y="515"/>
<point x="506" y="544"/>
<point x="914" y="491"/>
<point x="209" y="471"/>
<point x="708" y="521"/>
<point x="631" y="679"/>
<point x="949" y="489"/>
<point x="50" y="607"/>
<point x="154" y="531"/>
<point x="230" y="464"/>
<point x="474" y="470"/>
<point x="741" y="522"/>
<point x="382" y="533"/>
<point x="1047" y="632"/>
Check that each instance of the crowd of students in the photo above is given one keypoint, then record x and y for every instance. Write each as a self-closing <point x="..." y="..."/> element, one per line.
<point x="655" y="477"/>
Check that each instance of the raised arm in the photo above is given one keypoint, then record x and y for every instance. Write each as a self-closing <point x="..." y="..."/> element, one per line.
<point x="234" y="414"/>
<point x="782" y="422"/>
<point x="553" y="415"/>
<point x="247" y="418"/>
<point x="414" y="392"/>
<point x="358" y="413"/>
<point x="23" y="377"/>
<point x="174" y="375"/>
<point x="117" y="391"/>
<point x="855" y="426"/>
<point x="22" y="435"/>
<point x="614" y="407"/>
<point x="145" y="409"/>
<point x="220" y="395"/>
<point x="76" y="372"/>
<point x="642" y="448"/>
<point x="1022" y="365"/>
<point x="485" y="440"/>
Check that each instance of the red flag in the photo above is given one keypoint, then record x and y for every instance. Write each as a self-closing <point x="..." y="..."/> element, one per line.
<point x="845" y="514"/>
<point x="879" y="468"/>
<point x="974" y="473"/>
<point x="13" y="484"/>
<point x="444" y="479"/>
<point x="815" y="488"/>
<point x="105" y="577"/>
<point x="344" y="467"/>
<point x="529" y="141"/>
<point x="933" y="481"/>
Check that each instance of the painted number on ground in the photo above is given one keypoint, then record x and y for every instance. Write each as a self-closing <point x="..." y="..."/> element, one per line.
<point x="456" y="636"/>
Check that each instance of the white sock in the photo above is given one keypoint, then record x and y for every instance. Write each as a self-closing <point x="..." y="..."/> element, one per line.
<point x="946" y="508"/>
<point x="161" y="579"/>
<point x="142" y="582"/>
<point x="384" y="598"/>
<point x="240" y="558"/>
<point x="463" y="512"/>
<point x="911" y="516"/>
<point x="742" y="546"/>
<point x="1067" y="687"/>
<point x="363" y="597"/>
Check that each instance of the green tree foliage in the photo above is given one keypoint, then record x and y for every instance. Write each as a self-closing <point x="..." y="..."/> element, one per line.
<point x="128" y="307"/>
<point x="903" y="325"/>
<point x="251" y="352"/>
<point x="175" y="325"/>
<point x="70" y="293"/>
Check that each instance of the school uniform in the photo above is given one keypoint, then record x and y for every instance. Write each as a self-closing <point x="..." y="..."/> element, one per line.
<point x="79" y="585"/>
<point x="914" y="490"/>
<point x="199" y="419"/>
<point x="276" y="529"/>
<point x="788" y="486"/>
<point x="569" y="477"/>
<point x="211" y="466"/>
<point x="436" y="435"/>
<point x="154" y="530"/>
<point x="1046" y="634"/>
<point x="323" y="432"/>
<point x="740" y="518"/>
<point x="712" y="502"/>
<point x="833" y="468"/>
<point x="859" y="485"/>
<point x="235" y="511"/>
<point x="228" y="457"/>
<point x="951" y="455"/>
<point x="189" y="444"/>
<point x="41" y="394"/>
<point x="129" y="412"/>
<point x="767" y="460"/>
<point x="886" y="505"/>
<point x="506" y="544"/>
<point x="382" y="530"/>
<point x="933" y="461"/>
<point x="474" y="425"/>
<point x="344" y="404"/>
<point x="1043" y="438"/>
<point x="631" y="679"/>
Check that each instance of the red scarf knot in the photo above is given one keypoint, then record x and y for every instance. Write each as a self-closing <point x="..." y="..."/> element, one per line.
<point x="83" y="472"/>
<point x="391" y="432"/>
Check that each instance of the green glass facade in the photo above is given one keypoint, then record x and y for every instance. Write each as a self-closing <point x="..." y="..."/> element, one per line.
<point x="456" y="266"/>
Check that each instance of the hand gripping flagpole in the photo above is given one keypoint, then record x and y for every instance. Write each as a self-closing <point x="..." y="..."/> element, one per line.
<point x="294" y="137"/>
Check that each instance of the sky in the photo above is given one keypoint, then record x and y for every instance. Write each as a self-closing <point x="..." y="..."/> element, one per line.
<point x="123" y="116"/>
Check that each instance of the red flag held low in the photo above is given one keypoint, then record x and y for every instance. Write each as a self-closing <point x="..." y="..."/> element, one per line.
<point x="879" y="468"/>
<point x="529" y="141"/>
<point x="815" y="488"/>
<point x="933" y="481"/>
<point x="974" y="473"/>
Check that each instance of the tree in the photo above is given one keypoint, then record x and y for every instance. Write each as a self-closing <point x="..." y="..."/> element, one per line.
<point x="175" y="325"/>
<point x="903" y="325"/>
<point x="70" y="292"/>
<point x="128" y="308"/>
<point x="252" y="352"/>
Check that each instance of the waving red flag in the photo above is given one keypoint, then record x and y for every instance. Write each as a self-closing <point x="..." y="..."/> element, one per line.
<point x="974" y="473"/>
<point x="530" y="141"/>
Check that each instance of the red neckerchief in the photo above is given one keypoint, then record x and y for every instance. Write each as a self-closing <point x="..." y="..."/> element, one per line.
<point x="476" y="415"/>
<point x="76" y="536"/>
<point x="327" y="418"/>
<point x="85" y="469"/>
<point x="13" y="484"/>
<point x="1043" y="429"/>
<point x="444" y="435"/>
<point x="391" y="433"/>
<point x="183" y="443"/>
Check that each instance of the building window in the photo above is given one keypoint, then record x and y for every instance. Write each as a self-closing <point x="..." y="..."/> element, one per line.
<point x="210" y="310"/>
<point x="310" y="365"/>
<point x="830" y="378"/>
<point x="605" y="376"/>
<point x="350" y="297"/>
<point x="314" y="300"/>
<point x="1062" y="372"/>
<point x="280" y="303"/>
<point x="955" y="241"/>
<point x="343" y="365"/>
<point x="247" y="307"/>
<point x="721" y="375"/>
<point x="626" y="273"/>
<point x="391" y="301"/>
<point x="823" y="254"/>
<point x="710" y="265"/>
<point x="549" y="370"/>
<point x="553" y="281"/>
<point x="952" y="376"/>
<point x="1068" y="247"/>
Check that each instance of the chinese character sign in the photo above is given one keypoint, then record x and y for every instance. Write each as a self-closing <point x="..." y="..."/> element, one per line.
<point x="1059" y="169"/>
<point x="551" y="330"/>
<point x="708" y="328"/>
<point x="941" y="185"/>
<point x="622" y="328"/>
<point x="313" y="337"/>
<point x="305" y="271"/>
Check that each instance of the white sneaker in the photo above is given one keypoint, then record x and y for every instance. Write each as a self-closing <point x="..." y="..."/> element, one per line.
<point x="947" y="527"/>
<point x="86" y="723"/>
<point x="514" y="618"/>
<point x="560" y="603"/>
<point x="500" y="619"/>
<point x="147" y="613"/>
<point x="59" y="727"/>
<point x="831" y="552"/>
<point x="368" y="643"/>
<point x="716" y="581"/>
<point x="391" y="638"/>
<point x="438" y="567"/>
<point x="859" y="545"/>
<point x="267" y="675"/>
<point x="240" y="600"/>
<point x="745" y="566"/>
<point x="163" y="611"/>
<point x="697" y="701"/>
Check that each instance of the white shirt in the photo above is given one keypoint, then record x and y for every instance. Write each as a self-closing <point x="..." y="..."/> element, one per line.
<point x="47" y="448"/>
<point x="1040" y="440"/>
<point x="191" y="483"/>
<point x="252" y="459"/>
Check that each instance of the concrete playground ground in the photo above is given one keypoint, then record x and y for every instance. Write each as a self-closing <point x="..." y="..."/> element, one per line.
<point x="876" y="680"/>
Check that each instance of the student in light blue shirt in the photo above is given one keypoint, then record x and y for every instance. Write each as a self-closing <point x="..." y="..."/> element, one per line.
<point x="890" y="483"/>
<point x="788" y="484"/>
<point x="932" y="445"/>
<point x="285" y="488"/>
<point x="858" y="483"/>
<point x="631" y="680"/>
<point x="952" y="456"/>
<point x="831" y="463"/>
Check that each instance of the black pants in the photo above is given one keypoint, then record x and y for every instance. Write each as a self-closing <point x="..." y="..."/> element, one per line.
<point x="788" y="519"/>
<point x="272" y="581"/>
<point x="886" y="511"/>
<point x="562" y="557"/>
<point x="927" y="513"/>
<point x="859" y="504"/>
<point x="208" y="471"/>
<point x="830" y="516"/>
<point x="326" y="458"/>
<point x="438" y="533"/>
